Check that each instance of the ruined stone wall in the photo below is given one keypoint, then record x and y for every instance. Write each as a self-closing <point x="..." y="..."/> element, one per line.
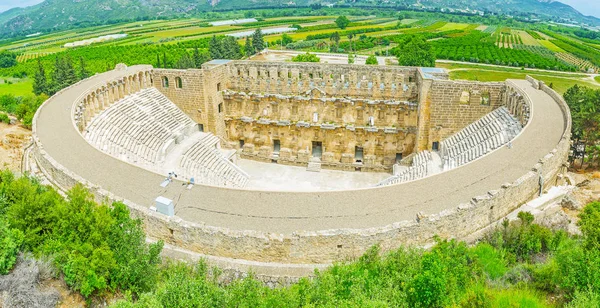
<point x="215" y="81"/>
<point x="328" y="245"/>
<point x="360" y="81"/>
<point x="185" y="88"/>
<point x="341" y="124"/>
<point x="456" y="104"/>
<point x="252" y="104"/>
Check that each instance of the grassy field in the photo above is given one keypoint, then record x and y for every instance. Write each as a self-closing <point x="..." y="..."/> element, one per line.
<point x="527" y="38"/>
<point x="597" y="78"/>
<point x="560" y="84"/>
<point x="548" y="44"/>
<point x="453" y="26"/>
<point x="19" y="88"/>
<point x="462" y="66"/>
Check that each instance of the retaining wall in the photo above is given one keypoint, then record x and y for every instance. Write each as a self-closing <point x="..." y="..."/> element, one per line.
<point x="321" y="247"/>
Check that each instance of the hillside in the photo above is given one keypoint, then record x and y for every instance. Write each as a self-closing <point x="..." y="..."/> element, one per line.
<point x="61" y="14"/>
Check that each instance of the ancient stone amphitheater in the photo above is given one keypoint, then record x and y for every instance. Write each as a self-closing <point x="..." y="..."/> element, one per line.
<point x="417" y="155"/>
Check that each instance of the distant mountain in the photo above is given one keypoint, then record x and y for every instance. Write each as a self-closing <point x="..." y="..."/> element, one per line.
<point x="61" y="14"/>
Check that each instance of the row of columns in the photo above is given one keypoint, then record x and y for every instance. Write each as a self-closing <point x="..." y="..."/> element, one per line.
<point x="99" y="99"/>
<point x="516" y="104"/>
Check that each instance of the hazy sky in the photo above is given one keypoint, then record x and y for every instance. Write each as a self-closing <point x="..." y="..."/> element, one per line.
<point x="587" y="7"/>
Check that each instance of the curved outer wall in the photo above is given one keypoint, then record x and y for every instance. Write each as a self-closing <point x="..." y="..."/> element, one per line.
<point x="327" y="245"/>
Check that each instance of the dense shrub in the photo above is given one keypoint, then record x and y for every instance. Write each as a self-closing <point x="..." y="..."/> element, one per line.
<point x="99" y="249"/>
<point x="10" y="243"/>
<point x="371" y="60"/>
<point x="590" y="225"/>
<point x="23" y="107"/>
<point x="4" y="118"/>
<point x="96" y="247"/>
<point x="308" y="57"/>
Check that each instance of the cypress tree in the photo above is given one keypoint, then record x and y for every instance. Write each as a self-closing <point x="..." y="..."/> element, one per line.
<point x="199" y="58"/>
<point x="83" y="72"/>
<point x="57" y="76"/>
<point x="232" y="50"/>
<point x="248" y="49"/>
<point x="40" y="84"/>
<point x="258" y="42"/>
<point x="164" y="62"/>
<point x="196" y="57"/>
<point x="215" y="48"/>
<point x="157" y="60"/>
<point x="185" y="62"/>
<point x="69" y="71"/>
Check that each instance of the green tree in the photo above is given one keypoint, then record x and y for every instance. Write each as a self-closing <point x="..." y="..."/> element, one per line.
<point x="589" y="224"/>
<point x="335" y="38"/>
<point x="7" y="59"/>
<point x="371" y="60"/>
<point x="231" y="48"/>
<point x="83" y="72"/>
<point x="63" y="74"/>
<point x="342" y="22"/>
<point x="40" y="83"/>
<point x="350" y="37"/>
<point x="416" y="52"/>
<point x="248" y="47"/>
<point x="185" y="62"/>
<point x="258" y="42"/>
<point x="135" y="261"/>
<point x="10" y="243"/>
<point x="199" y="58"/>
<point x="157" y="60"/>
<point x="286" y="39"/>
<point x="308" y="57"/>
<point x="215" y="48"/>
<point x="350" y="59"/>
<point x="585" y="114"/>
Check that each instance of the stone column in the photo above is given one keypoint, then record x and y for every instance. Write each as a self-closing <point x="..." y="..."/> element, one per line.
<point x="424" y="116"/>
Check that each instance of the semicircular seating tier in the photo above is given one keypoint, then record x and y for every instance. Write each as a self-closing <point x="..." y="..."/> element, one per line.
<point x="492" y="131"/>
<point x="145" y="127"/>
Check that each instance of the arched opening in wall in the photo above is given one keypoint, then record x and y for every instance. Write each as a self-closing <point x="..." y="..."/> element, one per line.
<point x="218" y="86"/>
<point x="435" y="146"/>
<point x="165" y="82"/>
<point x="485" y="98"/>
<point x="178" y="82"/>
<point x="221" y="108"/>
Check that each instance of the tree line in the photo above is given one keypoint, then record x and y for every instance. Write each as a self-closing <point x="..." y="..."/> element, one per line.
<point x="585" y="128"/>
<point x="64" y="74"/>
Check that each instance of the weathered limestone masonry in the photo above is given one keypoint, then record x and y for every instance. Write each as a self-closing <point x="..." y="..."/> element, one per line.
<point x="303" y="247"/>
<point x="351" y="117"/>
<point x="97" y="100"/>
<point x="456" y="104"/>
<point x="186" y="89"/>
